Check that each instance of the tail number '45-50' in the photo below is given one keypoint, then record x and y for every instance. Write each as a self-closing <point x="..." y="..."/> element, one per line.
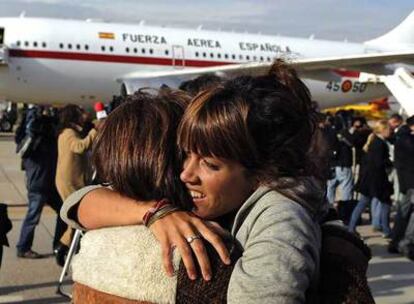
<point x="346" y="86"/>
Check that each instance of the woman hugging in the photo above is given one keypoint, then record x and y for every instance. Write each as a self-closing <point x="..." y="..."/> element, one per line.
<point x="220" y="191"/>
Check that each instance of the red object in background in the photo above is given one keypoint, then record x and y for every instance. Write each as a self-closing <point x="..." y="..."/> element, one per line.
<point x="99" y="106"/>
<point x="381" y="104"/>
<point x="100" y="110"/>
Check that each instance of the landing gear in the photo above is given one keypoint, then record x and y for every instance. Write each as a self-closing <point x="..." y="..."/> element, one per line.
<point x="5" y="125"/>
<point x="8" y="117"/>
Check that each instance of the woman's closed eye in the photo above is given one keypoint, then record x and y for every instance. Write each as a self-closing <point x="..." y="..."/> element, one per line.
<point x="211" y="165"/>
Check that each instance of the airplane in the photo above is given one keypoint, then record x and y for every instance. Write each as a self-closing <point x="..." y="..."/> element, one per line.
<point x="53" y="61"/>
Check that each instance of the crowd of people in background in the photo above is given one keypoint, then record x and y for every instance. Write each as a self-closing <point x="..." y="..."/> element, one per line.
<point x="372" y="167"/>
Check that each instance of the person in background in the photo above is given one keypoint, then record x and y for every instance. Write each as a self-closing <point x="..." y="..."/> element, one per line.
<point x="40" y="168"/>
<point x="402" y="235"/>
<point x="373" y="184"/>
<point x="395" y="121"/>
<point x="397" y="126"/>
<point x="341" y="168"/>
<point x="73" y="169"/>
<point x="199" y="84"/>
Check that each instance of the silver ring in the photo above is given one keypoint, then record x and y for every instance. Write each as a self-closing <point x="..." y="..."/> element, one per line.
<point x="190" y="239"/>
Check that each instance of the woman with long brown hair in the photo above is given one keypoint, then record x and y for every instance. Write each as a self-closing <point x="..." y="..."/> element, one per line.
<point x="73" y="171"/>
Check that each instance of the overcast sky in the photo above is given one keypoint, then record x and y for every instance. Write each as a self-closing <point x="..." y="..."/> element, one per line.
<point x="355" y="20"/>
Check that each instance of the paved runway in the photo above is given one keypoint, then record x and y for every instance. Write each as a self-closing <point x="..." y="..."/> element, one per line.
<point x="34" y="281"/>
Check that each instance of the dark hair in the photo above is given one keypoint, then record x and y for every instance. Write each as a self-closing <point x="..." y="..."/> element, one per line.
<point x="265" y="123"/>
<point x="410" y="121"/>
<point x="199" y="84"/>
<point x="136" y="150"/>
<point x="69" y="116"/>
<point x="396" y="116"/>
<point x="361" y="119"/>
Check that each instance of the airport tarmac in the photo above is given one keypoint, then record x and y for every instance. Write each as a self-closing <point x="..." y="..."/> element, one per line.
<point x="391" y="277"/>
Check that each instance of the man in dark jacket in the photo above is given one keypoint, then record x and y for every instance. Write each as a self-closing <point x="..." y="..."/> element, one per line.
<point x="403" y="231"/>
<point x="40" y="168"/>
<point x="341" y="167"/>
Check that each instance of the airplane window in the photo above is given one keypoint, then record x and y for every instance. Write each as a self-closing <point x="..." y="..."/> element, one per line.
<point x="166" y="52"/>
<point x="26" y="43"/>
<point x="143" y="51"/>
<point x="111" y="48"/>
<point x="135" y="50"/>
<point x="35" y="44"/>
<point x="61" y="45"/>
<point x="127" y="50"/>
<point x="204" y="54"/>
<point x="226" y="56"/>
<point x="86" y="47"/>
<point x="78" y="46"/>
<point x="255" y="58"/>
<point x="247" y="57"/>
<point x="219" y="55"/>
<point x="44" y="44"/>
<point x="103" y="48"/>
<point x="211" y="55"/>
<point x="261" y="58"/>
<point x="18" y="43"/>
<point x="69" y="46"/>
<point x="241" y="57"/>
<point x="269" y="59"/>
<point x="233" y="56"/>
<point x="151" y="51"/>
<point x="196" y="54"/>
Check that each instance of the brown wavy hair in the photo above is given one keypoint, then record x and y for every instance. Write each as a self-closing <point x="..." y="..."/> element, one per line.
<point x="266" y="123"/>
<point x="136" y="151"/>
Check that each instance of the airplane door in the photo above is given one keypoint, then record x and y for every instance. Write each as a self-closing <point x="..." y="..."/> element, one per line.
<point x="1" y="36"/>
<point x="178" y="59"/>
<point x="3" y="54"/>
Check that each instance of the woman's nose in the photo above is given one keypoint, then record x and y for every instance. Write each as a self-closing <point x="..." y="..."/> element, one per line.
<point x="188" y="175"/>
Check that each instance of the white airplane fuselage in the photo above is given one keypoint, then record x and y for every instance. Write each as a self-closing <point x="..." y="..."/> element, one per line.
<point x="66" y="61"/>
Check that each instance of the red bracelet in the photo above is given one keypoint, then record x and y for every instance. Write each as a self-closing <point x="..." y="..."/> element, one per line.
<point x="151" y="211"/>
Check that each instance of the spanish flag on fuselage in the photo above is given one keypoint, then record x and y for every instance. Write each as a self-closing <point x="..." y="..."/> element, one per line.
<point x="106" y="35"/>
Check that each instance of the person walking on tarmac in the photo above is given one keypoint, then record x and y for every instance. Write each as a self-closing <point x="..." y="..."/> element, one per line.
<point x="40" y="167"/>
<point x="341" y="169"/>
<point x="73" y="169"/>
<point x="373" y="184"/>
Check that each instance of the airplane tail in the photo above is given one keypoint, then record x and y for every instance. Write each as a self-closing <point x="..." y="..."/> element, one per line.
<point x="399" y="37"/>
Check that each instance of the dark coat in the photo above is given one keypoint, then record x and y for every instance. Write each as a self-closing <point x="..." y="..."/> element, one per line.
<point x="404" y="160"/>
<point x="5" y="225"/>
<point x="40" y="164"/>
<point x="373" y="181"/>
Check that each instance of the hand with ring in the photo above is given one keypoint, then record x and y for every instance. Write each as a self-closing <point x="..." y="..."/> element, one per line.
<point x="187" y="233"/>
<point x="190" y="239"/>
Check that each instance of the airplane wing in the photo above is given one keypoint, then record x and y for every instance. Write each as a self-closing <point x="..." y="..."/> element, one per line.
<point x="314" y="68"/>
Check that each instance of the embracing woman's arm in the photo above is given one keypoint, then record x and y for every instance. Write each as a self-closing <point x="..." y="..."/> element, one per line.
<point x="96" y="207"/>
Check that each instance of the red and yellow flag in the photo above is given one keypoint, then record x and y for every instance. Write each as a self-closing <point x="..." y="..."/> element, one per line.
<point x="106" y="35"/>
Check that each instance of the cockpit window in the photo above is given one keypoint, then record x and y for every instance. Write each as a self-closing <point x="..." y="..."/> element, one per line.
<point x="1" y="35"/>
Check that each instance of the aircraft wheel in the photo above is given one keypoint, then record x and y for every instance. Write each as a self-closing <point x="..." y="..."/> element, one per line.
<point x="6" y="126"/>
